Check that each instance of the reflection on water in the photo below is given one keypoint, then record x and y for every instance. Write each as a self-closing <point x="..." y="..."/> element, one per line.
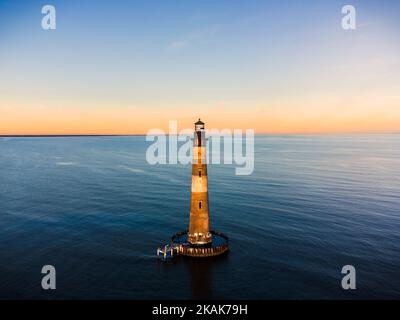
<point x="201" y="271"/>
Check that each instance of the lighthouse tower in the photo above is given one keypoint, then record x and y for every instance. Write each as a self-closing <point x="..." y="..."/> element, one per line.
<point x="199" y="240"/>
<point x="199" y="232"/>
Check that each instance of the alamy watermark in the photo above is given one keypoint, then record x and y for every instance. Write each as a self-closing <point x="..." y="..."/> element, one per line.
<point x="349" y="280"/>
<point x="349" y="19"/>
<point x="49" y="20"/>
<point x="49" y="280"/>
<point x="223" y="147"/>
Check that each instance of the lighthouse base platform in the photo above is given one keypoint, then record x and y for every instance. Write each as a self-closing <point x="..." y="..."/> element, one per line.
<point x="180" y="245"/>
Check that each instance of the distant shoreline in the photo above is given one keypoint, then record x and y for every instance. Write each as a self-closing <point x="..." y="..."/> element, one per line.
<point x="142" y="135"/>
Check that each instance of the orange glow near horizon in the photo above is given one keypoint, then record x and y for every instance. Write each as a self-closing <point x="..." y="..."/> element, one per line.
<point x="125" y="120"/>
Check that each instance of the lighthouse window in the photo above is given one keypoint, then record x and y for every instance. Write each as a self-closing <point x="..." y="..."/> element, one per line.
<point x="199" y="204"/>
<point x="199" y="173"/>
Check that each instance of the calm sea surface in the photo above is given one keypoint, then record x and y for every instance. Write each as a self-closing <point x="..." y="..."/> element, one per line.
<point x="94" y="208"/>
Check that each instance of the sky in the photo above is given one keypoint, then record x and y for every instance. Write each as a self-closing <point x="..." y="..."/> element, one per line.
<point x="125" y="67"/>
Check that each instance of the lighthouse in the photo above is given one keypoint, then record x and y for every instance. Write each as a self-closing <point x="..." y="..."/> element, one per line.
<point x="197" y="241"/>
<point x="199" y="225"/>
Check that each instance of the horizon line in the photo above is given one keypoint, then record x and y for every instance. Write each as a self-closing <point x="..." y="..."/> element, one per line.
<point x="143" y="134"/>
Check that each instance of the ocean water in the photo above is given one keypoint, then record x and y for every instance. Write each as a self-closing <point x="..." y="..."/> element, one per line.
<point x="94" y="208"/>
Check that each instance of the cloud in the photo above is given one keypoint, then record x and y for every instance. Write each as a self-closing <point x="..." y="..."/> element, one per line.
<point x="177" y="45"/>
